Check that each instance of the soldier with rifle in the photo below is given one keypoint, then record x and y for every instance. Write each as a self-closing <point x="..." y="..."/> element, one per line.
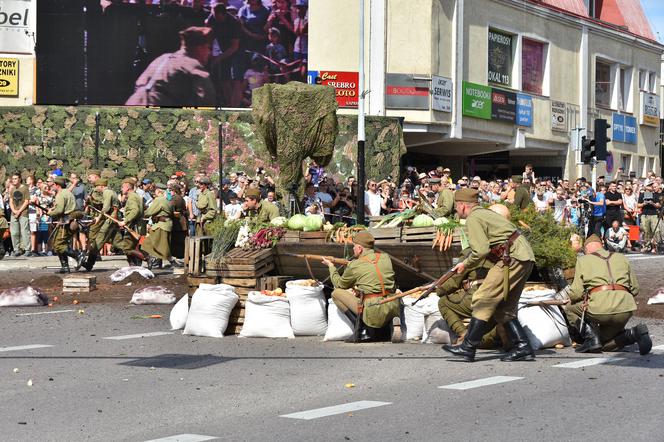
<point x="110" y="206"/>
<point x="494" y="238"/>
<point x="64" y="213"/>
<point x="133" y="217"/>
<point x="367" y="279"/>
<point x="602" y="296"/>
<point x="206" y="204"/>
<point x="456" y="295"/>
<point x="158" y="242"/>
<point x="92" y="202"/>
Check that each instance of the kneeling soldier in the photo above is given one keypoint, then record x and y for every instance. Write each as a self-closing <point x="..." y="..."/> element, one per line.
<point x="371" y="275"/>
<point x="611" y="285"/>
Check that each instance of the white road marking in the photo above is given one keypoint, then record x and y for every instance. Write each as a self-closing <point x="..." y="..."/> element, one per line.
<point x="45" y="313"/>
<point x="184" y="438"/>
<point x="480" y="382"/>
<point x="139" y="335"/>
<point x="658" y="348"/>
<point x="587" y="362"/>
<point x="336" y="409"/>
<point x="24" y="347"/>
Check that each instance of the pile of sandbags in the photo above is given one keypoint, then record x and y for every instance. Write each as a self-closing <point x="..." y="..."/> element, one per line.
<point x="544" y="324"/>
<point x="211" y="307"/>
<point x="339" y="327"/>
<point x="424" y="322"/>
<point x="266" y="317"/>
<point x="307" y="308"/>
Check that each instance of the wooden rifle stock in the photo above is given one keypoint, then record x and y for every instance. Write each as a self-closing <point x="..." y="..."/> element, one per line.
<point x="132" y="232"/>
<point x="336" y="261"/>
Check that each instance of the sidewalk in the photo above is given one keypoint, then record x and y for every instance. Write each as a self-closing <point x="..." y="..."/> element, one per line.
<point x="51" y="262"/>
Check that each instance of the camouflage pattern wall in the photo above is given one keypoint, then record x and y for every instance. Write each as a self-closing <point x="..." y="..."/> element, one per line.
<point x="155" y="143"/>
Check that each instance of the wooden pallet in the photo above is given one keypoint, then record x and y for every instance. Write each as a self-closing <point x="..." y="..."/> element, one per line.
<point x="418" y="234"/>
<point x="79" y="283"/>
<point x="273" y="282"/>
<point x="195" y="249"/>
<point x="373" y="220"/>
<point x="240" y="263"/>
<point x="195" y="281"/>
<point x="304" y="237"/>
<point x="386" y="235"/>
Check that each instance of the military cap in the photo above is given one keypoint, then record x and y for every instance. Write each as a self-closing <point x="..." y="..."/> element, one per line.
<point x="94" y="172"/>
<point x="160" y="186"/>
<point x="205" y="180"/>
<point x="129" y="180"/>
<point x="253" y="193"/>
<point x="466" y="195"/>
<point x="196" y="36"/>
<point x="101" y="182"/>
<point x="364" y="239"/>
<point x="60" y="181"/>
<point x="593" y="238"/>
<point x="517" y="179"/>
<point x="434" y="181"/>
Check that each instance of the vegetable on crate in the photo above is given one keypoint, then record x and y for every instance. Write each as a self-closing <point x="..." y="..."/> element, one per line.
<point x="394" y="219"/>
<point x="313" y="223"/>
<point x="444" y="235"/>
<point x="422" y="221"/>
<point x="296" y="222"/>
<point x="280" y="221"/>
<point x="344" y="234"/>
<point x="266" y="238"/>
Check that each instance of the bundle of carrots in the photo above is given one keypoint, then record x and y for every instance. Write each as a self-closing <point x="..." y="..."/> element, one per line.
<point x="344" y="234"/>
<point x="443" y="238"/>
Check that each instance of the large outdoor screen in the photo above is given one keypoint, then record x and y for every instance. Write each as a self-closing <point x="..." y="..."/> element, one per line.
<point x="169" y="53"/>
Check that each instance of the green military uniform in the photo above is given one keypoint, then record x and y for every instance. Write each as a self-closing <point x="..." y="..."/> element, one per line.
<point x="133" y="216"/>
<point x="158" y="242"/>
<point x="94" y="200"/>
<point x="445" y="203"/>
<point x="371" y="274"/>
<point x="63" y="206"/>
<point x="266" y="212"/>
<point x="456" y="295"/>
<point x="609" y="310"/>
<point x="207" y="204"/>
<point x="487" y="229"/>
<point x="107" y="229"/>
<point x="522" y="197"/>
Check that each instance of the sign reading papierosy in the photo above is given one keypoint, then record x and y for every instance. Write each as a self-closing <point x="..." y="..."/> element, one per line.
<point x="559" y="116"/>
<point x="441" y="94"/>
<point x="345" y="85"/>
<point x="17" y="26"/>
<point x="500" y="58"/>
<point x="8" y="77"/>
<point x="476" y="100"/>
<point x="649" y="109"/>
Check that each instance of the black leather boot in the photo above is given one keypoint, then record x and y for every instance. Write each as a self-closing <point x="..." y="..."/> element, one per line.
<point x="476" y="329"/>
<point x="89" y="261"/>
<point x="636" y="335"/>
<point x="78" y="256"/>
<point x="176" y="263"/>
<point x="521" y="349"/>
<point x="64" y="264"/>
<point x="590" y="335"/>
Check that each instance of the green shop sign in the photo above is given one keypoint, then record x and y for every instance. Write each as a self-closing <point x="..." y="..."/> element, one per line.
<point x="476" y="101"/>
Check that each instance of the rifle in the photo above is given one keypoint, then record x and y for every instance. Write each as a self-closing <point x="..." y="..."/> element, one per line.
<point x="427" y="289"/>
<point x="134" y="234"/>
<point x="335" y="261"/>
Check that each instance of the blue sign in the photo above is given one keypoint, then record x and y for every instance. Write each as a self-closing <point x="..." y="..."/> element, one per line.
<point x="624" y="129"/>
<point x="311" y="76"/>
<point x="524" y="110"/>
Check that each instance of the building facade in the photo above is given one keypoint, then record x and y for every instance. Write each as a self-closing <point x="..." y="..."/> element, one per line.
<point x="486" y="86"/>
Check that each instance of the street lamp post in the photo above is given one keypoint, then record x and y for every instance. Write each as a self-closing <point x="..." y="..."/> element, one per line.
<point x="361" y="136"/>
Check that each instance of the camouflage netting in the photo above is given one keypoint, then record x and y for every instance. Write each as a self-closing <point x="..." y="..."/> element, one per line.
<point x="156" y="143"/>
<point x="297" y="121"/>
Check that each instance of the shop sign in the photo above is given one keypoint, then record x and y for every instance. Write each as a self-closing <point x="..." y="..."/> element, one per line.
<point x="345" y="85"/>
<point x="404" y="91"/>
<point x="624" y="129"/>
<point x="500" y="58"/>
<point x="17" y="26"/>
<point x="8" y="77"/>
<point x="503" y="106"/>
<point x="559" y="116"/>
<point x="524" y="110"/>
<point x="476" y="101"/>
<point x="649" y="109"/>
<point x="441" y="94"/>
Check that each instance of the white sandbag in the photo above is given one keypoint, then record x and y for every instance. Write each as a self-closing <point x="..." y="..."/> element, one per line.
<point x="658" y="298"/>
<point x="266" y="317"/>
<point x="211" y="306"/>
<point x="23" y="297"/>
<point x="178" y="316"/>
<point x="414" y="318"/>
<point x="124" y="272"/>
<point x="436" y="330"/>
<point x="307" y="309"/>
<point x="339" y="326"/>
<point x="544" y="325"/>
<point x="154" y="294"/>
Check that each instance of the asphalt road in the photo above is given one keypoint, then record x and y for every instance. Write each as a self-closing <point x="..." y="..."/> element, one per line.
<point x="87" y="387"/>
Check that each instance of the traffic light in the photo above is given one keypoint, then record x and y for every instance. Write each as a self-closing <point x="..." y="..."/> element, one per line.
<point x="587" y="152"/>
<point x="601" y="139"/>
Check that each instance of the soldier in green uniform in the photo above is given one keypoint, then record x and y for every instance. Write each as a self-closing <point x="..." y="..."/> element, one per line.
<point x="522" y="198"/>
<point x="261" y="210"/>
<point x="445" y="200"/>
<point x="133" y="217"/>
<point x="494" y="238"/>
<point x="158" y="242"/>
<point x="207" y="204"/>
<point x="611" y="285"/>
<point x="63" y="213"/>
<point x="93" y="201"/>
<point x="371" y="275"/>
<point x="455" y="299"/>
<point x="110" y="205"/>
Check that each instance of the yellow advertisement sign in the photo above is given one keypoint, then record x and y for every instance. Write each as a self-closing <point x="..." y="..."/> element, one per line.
<point x="8" y="77"/>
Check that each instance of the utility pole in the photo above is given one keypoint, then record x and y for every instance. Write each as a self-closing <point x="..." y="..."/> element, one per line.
<point x="361" y="135"/>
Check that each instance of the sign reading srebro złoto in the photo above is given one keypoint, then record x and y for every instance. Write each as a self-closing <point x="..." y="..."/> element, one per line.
<point x="476" y="101"/>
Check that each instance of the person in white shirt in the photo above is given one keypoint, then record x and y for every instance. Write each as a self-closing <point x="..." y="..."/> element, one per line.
<point x="616" y="237"/>
<point x="372" y="199"/>
<point x="324" y="197"/>
<point x="234" y="209"/>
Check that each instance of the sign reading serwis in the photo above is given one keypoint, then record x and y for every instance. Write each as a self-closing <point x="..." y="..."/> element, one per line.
<point x="345" y="85"/>
<point x="441" y="94"/>
<point x="8" y="77"/>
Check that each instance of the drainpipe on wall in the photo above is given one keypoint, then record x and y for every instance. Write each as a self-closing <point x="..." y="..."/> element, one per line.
<point x="457" y="75"/>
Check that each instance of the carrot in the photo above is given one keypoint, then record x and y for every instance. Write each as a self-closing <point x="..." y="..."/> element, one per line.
<point x="155" y="316"/>
<point x="436" y="238"/>
<point x="449" y="241"/>
<point x="442" y="241"/>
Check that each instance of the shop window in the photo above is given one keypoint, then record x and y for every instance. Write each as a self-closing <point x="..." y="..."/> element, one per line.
<point x="533" y="59"/>
<point x="501" y="58"/>
<point x="602" y="84"/>
<point x="625" y="88"/>
<point x="652" y="82"/>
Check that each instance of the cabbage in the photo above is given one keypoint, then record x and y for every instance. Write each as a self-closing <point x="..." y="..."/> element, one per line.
<point x="313" y="223"/>
<point x="279" y="221"/>
<point x="422" y="221"/>
<point x="296" y="222"/>
<point x="440" y="221"/>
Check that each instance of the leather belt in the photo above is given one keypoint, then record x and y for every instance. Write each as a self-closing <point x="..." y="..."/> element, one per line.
<point x="159" y="219"/>
<point x="373" y="295"/>
<point x="501" y="251"/>
<point x="603" y="288"/>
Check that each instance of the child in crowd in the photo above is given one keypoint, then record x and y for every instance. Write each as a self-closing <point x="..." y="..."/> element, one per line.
<point x="42" y="235"/>
<point x="255" y="77"/>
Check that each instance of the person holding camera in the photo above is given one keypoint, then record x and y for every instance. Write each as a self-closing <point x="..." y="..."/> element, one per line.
<point x="596" y="200"/>
<point x="650" y="202"/>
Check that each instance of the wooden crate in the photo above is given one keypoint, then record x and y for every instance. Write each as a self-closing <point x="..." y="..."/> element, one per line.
<point x="386" y="235"/>
<point x="418" y="234"/>
<point x="313" y="237"/>
<point x="291" y="236"/>
<point x="195" y="249"/>
<point x="373" y="220"/>
<point x="195" y="281"/>
<point x="273" y="282"/>
<point x="79" y="283"/>
<point x="240" y="263"/>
